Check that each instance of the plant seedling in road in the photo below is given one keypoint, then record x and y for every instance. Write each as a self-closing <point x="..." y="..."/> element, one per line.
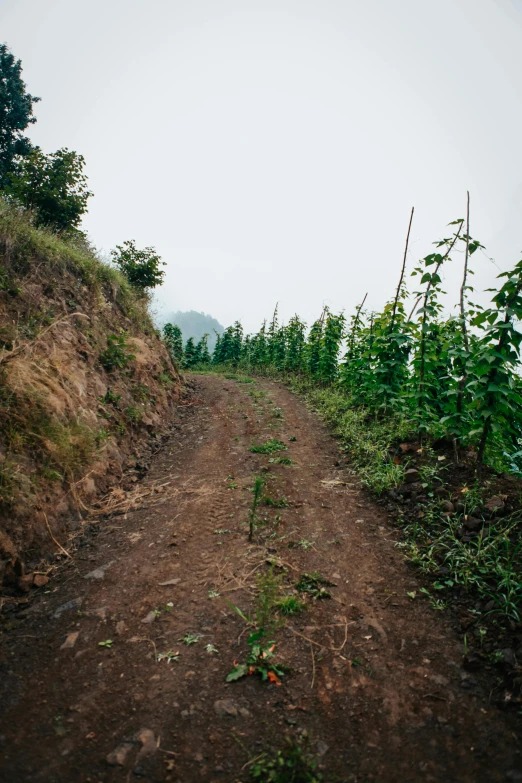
<point x="257" y="489"/>
<point x="106" y="643"/>
<point x="168" y="656"/>
<point x="292" y="764"/>
<point x="281" y="503"/>
<point x="314" y="584"/>
<point x="189" y="638"/>
<point x="259" y="661"/>
<point x="290" y="604"/>
<point x="270" y="447"/>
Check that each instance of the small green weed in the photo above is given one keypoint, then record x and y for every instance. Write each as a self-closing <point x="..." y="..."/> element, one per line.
<point x="314" y="584"/>
<point x="133" y="414"/>
<point x="117" y="354"/>
<point x="189" y="639"/>
<point x="106" y="643"/>
<point x="110" y="398"/>
<point x="268" y="586"/>
<point x="168" y="656"/>
<point x="280" y="461"/>
<point x="259" y="483"/>
<point x="270" y="447"/>
<point x="290" y="604"/>
<point x="280" y="503"/>
<point x="259" y="661"/>
<point x="292" y="764"/>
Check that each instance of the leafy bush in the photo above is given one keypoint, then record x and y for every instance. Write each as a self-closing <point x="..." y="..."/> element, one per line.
<point x="116" y="355"/>
<point x="140" y="267"/>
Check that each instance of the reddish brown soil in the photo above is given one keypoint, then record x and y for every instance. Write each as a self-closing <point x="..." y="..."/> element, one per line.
<point x="376" y="681"/>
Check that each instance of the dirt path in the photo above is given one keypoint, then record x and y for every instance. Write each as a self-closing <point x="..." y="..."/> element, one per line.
<point x="375" y="681"/>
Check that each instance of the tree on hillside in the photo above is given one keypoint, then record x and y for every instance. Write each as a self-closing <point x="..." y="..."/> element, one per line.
<point x="190" y="354"/>
<point x="16" y="113"/>
<point x="52" y="185"/>
<point x="202" y="352"/>
<point x="174" y="341"/>
<point x="140" y="267"/>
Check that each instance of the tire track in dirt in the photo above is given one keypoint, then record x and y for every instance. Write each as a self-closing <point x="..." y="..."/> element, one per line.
<point x="375" y="680"/>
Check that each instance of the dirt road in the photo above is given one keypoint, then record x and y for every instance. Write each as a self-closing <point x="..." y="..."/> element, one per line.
<point x="375" y="680"/>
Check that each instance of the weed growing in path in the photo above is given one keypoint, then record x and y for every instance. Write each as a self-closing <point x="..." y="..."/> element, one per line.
<point x="292" y="764"/>
<point x="290" y="604"/>
<point x="270" y="447"/>
<point x="259" y="661"/>
<point x="168" y="656"/>
<point x="189" y="638"/>
<point x="257" y="489"/>
<point x="280" y="503"/>
<point x="314" y="584"/>
<point x="269" y="585"/>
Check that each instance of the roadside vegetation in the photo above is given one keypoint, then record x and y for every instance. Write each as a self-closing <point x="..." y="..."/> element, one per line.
<point x="428" y="409"/>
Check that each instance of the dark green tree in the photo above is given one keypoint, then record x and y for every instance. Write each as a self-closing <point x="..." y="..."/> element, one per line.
<point x="16" y="113"/>
<point x="140" y="267"/>
<point x="174" y="341"/>
<point x="52" y="185"/>
<point x="202" y="352"/>
<point x="191" y="356"/>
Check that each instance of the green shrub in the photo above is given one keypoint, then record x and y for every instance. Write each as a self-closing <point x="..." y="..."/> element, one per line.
<point x="116" y="355"/>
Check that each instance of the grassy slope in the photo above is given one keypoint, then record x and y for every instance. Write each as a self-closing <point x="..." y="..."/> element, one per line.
<point x="69" y="422"/>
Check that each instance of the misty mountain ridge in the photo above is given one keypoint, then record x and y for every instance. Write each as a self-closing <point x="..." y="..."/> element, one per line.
<point x="194" y="324"/>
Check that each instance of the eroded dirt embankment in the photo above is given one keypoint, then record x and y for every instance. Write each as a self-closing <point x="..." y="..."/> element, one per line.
<point x="86" y="389"/>
<point x="375" y="678"/>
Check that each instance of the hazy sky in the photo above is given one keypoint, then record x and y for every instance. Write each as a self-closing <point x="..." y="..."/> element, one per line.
<point x="272" y="150"/>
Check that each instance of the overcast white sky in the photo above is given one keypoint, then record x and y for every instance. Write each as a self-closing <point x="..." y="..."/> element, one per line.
<point x="272" y="150"/>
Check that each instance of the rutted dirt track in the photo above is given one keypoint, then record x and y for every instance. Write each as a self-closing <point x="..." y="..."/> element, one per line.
<point x="375" y="679"/>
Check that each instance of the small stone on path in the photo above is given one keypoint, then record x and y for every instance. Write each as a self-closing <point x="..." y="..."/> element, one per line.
<point x="70" y="641"/>
<point x="118" y="756"/>
<point x="99" y="573"/>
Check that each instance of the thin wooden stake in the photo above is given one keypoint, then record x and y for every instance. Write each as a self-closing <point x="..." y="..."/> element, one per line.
<point x="397" y="295"/>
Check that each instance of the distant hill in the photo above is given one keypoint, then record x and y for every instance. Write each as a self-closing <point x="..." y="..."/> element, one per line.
<point x="194" y="324"/>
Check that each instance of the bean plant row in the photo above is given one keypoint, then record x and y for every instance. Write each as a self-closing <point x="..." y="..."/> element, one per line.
<point x="454" y="377"/>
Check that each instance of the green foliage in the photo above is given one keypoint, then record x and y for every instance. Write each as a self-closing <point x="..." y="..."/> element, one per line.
<point x="140" y="267"/>
<point x="291" y="764"/>
<point x="290" y="604"/>
<point x="229" y="346"/>
<point x="455" y="378"/>
<point x="268" y="587"/>
<point x="190" y="355"/>
<point x="53" y="186"/>
<point x="16" y="114"/>
<point x="173" y="339"/>
<point x="259" y="483"/>
<point x="260" y="660"/>
<point x="315" y="585"/>
<point x="270" y="447"/>
<point x="117" y="354"/>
